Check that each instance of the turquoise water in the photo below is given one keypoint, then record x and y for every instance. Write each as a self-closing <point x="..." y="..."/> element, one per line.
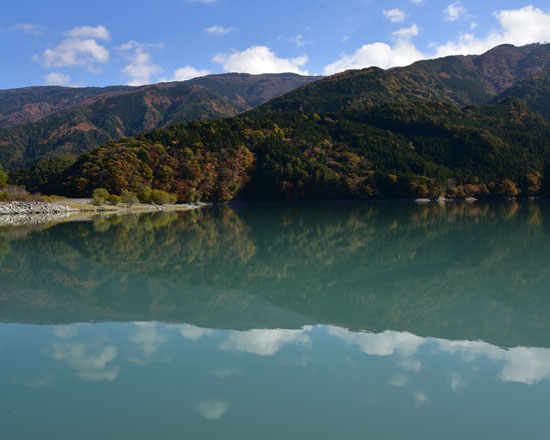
<point x="271" y="321"/>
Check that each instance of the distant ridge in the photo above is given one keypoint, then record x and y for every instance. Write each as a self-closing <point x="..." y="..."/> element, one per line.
<point x="458" y="80"/>
<point x="42" y="122"/>
<point x="30" y="104"/>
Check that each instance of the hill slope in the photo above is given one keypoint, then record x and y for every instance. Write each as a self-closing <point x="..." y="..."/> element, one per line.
<point x="30" y="104"/>
<point x="458" y="80"/>
<point x="535" y="91"/>
<point x="394" y="150"/>
<point x="90" y="117"/>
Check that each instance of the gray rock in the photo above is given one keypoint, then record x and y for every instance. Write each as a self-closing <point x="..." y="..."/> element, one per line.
<point x="27" y="208"/>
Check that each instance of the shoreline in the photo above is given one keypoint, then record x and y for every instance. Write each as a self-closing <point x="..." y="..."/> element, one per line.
<point x="34" y="212"/>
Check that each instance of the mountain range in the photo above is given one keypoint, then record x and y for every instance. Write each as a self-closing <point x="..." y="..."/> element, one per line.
<point x="459" y="80"/>
<point x="459" y="126"/>
<point x="40" y="122"/>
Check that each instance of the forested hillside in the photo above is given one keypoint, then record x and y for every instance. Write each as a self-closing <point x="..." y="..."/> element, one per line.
<point x="535" y="91"/>
<point x="395" y="150"/>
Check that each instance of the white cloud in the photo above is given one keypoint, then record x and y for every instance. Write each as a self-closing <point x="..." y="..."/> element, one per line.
<point x="265" y="342"/>
<point x="133" y="44"/>
<point x="417" y="1"/>
<point x="405" y="33"/>
<point x="28" y="28"/>
<point x="398" y="381"/>
<point x="260" y="59"/>
<point x="518" y="26"/>
<point x="383" y="55"/>
<point x="300" y="40"/>
<point x="90" y="362"/>
<point x="193" y="333"/>
<point x="74" y="51"/>
<point x="212" y="409"/>
<point x="454" y="11"/>
<point x="64" y="331"/>
<point x="129" y="45"/>
<point x="220" y="30"/>
<point x="99" y="32"/>
<point x="395" y="15"/>
<point x="79" y="49"/>
<point x="141" y="67"/>
<point x="186" y="73"/>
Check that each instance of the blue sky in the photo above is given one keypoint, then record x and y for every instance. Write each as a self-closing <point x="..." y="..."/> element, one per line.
<point x="99" y="43"/>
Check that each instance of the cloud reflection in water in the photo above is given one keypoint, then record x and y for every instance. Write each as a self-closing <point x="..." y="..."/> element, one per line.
<point x="212" y="409"/>
<point x="265" y="342"/>
<point x="91" y="362"/>
<point x="147" y="340"/>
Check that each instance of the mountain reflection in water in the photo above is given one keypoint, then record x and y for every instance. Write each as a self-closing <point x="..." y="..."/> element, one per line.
<point x="458" y="271"/>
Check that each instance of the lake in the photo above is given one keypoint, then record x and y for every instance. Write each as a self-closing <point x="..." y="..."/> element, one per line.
<point x="279" y="321"/>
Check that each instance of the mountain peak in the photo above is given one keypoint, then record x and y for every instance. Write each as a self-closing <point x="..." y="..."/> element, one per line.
<point x="459" y="80"/>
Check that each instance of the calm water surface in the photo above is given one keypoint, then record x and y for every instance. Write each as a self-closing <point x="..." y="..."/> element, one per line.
<point x="276" y="321"/>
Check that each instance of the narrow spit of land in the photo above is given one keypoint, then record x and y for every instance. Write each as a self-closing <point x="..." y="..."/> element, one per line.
<point x="34" y="212"/>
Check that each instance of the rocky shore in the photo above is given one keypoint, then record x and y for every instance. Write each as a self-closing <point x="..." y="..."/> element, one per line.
<point x="35" y="212"/>
<point x="29" y="208"/>
<point x="34" y="219"/>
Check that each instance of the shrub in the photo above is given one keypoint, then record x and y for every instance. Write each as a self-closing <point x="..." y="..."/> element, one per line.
<point x="99" y="195"/>
<point x="534" y="183"/>
<point x="129" y="198"/>
<point x="53" y="198"/>
<point x="159" y="197"/>
<point x="507" y="188"/>
<point x="3" y="177"/>
<point x="144" y="196"/>
<point x="21" y="197"/>
<point x="113" y="199"/>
